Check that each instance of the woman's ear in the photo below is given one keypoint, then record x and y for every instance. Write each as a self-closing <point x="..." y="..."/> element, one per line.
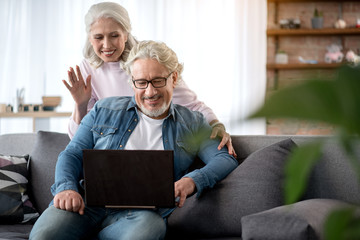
<point x="126" y="37"/>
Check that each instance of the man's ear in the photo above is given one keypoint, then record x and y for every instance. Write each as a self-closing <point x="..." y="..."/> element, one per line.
<point x="175" y="78"/>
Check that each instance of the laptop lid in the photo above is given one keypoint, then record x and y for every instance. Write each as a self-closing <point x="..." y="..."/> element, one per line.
<point x="129" y="178"/>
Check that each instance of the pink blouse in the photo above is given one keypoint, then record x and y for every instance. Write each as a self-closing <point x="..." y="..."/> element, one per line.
<point x="110" y="80"/>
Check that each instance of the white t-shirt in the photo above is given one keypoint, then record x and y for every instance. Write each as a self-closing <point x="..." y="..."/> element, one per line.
<point x="147" y="134"/>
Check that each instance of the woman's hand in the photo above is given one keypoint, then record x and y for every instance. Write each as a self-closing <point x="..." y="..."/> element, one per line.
<point x="218" y="129"/>
<point x="80" y="91"/>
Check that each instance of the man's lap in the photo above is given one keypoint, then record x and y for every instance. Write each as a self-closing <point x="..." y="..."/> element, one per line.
<point x="110" y="223"/>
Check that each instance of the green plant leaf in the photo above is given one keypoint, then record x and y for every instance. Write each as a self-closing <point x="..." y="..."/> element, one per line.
<point x="342" y="224"/>
<point x="348" y="87"/>
<point x="298" y="169"/>
<point x="333" y="101"/>
<point x="313" y="100"/>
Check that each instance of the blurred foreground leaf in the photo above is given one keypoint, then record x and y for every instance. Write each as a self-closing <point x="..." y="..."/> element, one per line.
<point x="298" y="169"/>
<point x="342" y="224"/>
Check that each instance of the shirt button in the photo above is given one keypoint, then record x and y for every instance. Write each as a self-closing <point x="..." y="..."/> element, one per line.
<point x="121" y="146"/>
<point x="135" y="119"/>
<point x="101" y="133"/>
<point x="129" y="130"/>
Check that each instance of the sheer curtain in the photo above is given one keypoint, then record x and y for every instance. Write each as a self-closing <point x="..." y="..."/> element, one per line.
<point x="222" y="44"/>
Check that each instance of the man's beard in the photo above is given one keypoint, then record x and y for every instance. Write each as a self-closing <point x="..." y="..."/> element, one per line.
<point x="156" y="112"/>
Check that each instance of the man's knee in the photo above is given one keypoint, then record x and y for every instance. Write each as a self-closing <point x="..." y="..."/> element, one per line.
<point x="60" y="224"/>
<point x="138" y="225"/>
<point x="153" y="227"/>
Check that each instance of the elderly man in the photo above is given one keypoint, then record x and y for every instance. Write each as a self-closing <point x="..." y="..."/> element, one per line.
<point x="148" y="120"/>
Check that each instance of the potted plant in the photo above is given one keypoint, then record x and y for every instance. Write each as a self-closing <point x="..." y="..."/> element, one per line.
<point x="336" y="102"/>
<point x="281" y="57"/>
<point x="317" y="20"/>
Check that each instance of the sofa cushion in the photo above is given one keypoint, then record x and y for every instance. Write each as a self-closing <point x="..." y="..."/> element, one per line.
<point x="334" y="176"/>
<point x="254" y="186"/>
<point x="15" y="231"/>
<point x="47" y="147"/>
<point x="15" y="205"/>
<point x="301" y="220"/>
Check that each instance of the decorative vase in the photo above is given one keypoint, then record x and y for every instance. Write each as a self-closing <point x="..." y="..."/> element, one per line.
<point x="281" y="58"/>
<point x="317" y="22"/>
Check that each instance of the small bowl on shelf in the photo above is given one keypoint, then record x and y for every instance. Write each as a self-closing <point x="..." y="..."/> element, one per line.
<point x="50" y="102"/>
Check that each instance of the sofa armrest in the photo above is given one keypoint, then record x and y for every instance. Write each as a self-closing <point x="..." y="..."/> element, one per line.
<point x="301" y="220"/>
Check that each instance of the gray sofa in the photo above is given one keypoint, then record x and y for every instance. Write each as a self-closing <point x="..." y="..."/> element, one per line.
<point x="248" y="204"/>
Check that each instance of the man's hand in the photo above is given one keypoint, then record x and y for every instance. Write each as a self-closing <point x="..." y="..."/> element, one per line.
<point x="184" y="187"/>
<point x="69" y="200"/>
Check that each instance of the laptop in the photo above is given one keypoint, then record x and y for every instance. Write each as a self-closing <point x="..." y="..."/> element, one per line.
<point x="129" y="178"/>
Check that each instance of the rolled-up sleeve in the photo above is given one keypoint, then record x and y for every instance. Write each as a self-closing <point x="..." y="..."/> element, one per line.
<point x="218" y="164"/>
<point x="69" y="171"/>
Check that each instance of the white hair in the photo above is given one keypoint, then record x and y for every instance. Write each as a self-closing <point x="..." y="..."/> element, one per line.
<point x="117" y="13"/>
<point x="154" y="50"/>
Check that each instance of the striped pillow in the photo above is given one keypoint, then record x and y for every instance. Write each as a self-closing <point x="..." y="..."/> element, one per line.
<point x="15" y="206"/>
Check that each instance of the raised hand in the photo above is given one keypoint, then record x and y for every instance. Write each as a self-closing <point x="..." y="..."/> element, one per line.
<point x="80" y="91"/>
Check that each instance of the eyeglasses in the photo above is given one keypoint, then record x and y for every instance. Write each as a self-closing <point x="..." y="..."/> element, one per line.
<point x="158" y="82"/>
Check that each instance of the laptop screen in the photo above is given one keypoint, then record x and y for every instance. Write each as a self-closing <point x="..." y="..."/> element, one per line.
<point x="129" y="178"/>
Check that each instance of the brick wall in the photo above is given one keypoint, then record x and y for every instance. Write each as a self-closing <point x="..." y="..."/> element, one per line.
<point x="309" y="47"/>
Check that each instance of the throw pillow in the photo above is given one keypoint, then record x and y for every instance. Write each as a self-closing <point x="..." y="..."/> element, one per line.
<point x="298" y="221"/>
<point x="256" y="185"/>
<point x="15" y="206"/>
<point x="44" y="156"/>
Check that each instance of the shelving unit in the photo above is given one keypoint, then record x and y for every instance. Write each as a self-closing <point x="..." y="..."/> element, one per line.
<point x="312" y="44"/>
<point x="277" y="33"/>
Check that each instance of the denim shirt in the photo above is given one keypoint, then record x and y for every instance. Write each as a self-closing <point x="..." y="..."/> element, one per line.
<point x="109" y="125"/>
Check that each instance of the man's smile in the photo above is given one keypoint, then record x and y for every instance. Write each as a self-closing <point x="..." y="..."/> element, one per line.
<point x="153" y="100"/>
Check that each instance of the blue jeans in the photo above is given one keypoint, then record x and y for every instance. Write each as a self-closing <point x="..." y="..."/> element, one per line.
<point x="99" y="223"/>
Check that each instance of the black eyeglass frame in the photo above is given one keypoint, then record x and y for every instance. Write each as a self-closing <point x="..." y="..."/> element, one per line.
<point x="151" y="81"/>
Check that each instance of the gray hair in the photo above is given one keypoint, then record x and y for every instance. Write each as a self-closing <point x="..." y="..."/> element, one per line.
<point x="107" y="10"/>
<point x="154" y="50"/>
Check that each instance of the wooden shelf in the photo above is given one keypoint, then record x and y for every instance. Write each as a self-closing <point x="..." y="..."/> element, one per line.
<point x="313" y="32"/>
<point x="280" y="1"/>
<point x="40" y="114"/>
<point x="293" y="66"/>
